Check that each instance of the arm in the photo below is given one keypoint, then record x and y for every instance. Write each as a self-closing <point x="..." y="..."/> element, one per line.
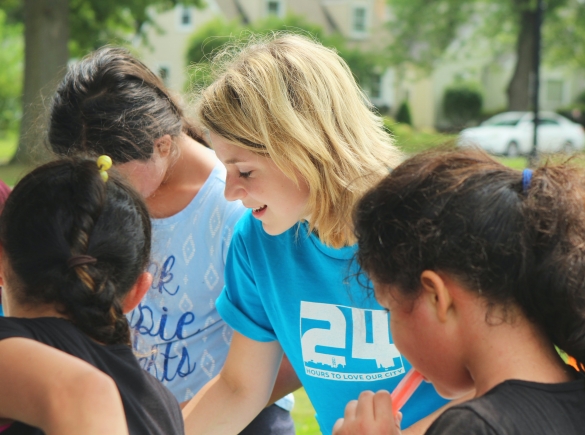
<point x="57" y="392"/>
<point x="233" y="398"/>
<point x="287" y="381"/>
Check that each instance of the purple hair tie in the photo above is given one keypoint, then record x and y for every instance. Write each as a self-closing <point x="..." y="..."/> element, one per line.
<point x="526" y="179"/>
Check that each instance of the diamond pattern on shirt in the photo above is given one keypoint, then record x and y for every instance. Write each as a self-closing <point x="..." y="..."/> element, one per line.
<point x="185" y="304"/>
<point x="215" y="222"/>
<point x="211" y="277"/>
<point x="188" y="249"/>
<point x="207" y="364"/>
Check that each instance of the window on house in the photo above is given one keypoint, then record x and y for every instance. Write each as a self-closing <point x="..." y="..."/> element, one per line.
<point x="185" y="16"/>
<point x="554" y="91"/>
<point x="359" y="19"/>
<point x="164" y="73"/>
<point x="376" y="86"/>
<point x="273" y="7"/>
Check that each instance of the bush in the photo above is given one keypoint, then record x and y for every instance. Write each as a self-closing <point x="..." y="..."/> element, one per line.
<point x="403" y="115"/>
<point x="581" y="99"/>
<point x="462" y="103"/>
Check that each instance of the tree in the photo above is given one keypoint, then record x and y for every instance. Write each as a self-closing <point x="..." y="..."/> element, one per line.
<point x="216" y="33"/>
<point x="54" y="29"/>
<point x="423" y="32"/>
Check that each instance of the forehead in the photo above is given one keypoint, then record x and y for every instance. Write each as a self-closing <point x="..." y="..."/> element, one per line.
<point x="229" y="153"/>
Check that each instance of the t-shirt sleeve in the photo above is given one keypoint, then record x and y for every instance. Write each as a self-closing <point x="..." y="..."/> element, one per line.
<point x="240" y="304"/>
<point x="460" y="421"/>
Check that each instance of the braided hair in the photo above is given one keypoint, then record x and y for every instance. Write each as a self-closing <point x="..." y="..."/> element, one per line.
<point x="64" y="210"/>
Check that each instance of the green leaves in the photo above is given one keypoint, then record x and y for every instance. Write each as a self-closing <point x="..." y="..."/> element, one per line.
<point x="11" y="59"/>
<point x="98" y="22"/>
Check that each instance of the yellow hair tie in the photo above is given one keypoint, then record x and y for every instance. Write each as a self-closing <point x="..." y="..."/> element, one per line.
<point x="104" y="163"/>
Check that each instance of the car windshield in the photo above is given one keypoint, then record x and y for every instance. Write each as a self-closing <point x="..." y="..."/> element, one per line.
<point x="498" y="121"/>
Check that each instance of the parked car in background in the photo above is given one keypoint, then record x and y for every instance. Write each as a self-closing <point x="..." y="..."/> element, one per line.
<point x="512" y="133"/>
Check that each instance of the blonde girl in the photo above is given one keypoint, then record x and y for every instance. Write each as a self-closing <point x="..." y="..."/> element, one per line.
<point x="300" y="145"/>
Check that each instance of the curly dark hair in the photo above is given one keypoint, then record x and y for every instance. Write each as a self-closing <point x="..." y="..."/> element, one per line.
<point x="64" y="209"/>
<point x="463" y="213"/>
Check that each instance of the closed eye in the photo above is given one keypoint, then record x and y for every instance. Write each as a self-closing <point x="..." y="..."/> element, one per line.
<point x="245" y="174"/>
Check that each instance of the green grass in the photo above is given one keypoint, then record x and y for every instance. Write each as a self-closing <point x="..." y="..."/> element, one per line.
<point x="303" y="415"/>
<point x="412" y="141"/>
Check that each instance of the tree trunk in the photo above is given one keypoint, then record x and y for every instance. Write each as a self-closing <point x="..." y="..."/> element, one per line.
<point x="519" y="87"/>
<point x="46" y="35"/>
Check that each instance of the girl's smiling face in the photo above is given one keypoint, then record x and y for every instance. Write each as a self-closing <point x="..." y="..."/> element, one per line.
<point x="275" y="199"/>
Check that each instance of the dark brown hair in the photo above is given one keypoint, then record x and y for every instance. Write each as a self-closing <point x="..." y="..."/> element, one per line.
<point x="463" y="213"/>
<point x="63" y="210"/>
<point x="111" y="103"/>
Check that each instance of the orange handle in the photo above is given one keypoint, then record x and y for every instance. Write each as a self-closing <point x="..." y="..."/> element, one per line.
<point x="405" y="388"/>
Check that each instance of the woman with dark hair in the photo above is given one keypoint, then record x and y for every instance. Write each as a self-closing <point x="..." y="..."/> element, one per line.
<point x="483" y="270"/>
<point x="111" y="103"/>
<point x="72" y="261"/>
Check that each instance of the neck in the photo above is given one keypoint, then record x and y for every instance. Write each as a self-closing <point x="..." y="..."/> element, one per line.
<point x="184" y="178"/>
<point x="511" y="350"/>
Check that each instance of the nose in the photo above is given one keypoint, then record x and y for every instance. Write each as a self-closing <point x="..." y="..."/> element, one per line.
<point x="233" y="189"/>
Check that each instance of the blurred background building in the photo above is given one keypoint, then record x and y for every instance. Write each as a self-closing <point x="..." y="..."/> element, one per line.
<point x="364" y="26"/>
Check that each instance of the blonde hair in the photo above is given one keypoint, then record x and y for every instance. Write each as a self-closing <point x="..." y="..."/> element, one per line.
<point x="291" y="99"/>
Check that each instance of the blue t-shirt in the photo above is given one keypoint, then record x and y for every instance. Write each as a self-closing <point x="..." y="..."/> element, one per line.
<point x="294" y="289"/>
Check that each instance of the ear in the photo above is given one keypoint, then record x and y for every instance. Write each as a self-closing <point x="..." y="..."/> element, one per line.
<point x="164" y="145"/>
<point x="436" y="292"/>
<point x="137" y="292"/>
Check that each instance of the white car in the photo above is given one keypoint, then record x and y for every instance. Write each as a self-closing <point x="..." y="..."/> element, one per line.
<point x="511" y="134"/>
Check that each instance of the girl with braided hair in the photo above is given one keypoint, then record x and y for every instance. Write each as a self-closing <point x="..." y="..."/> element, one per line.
<point x="483" y="270"/>
<point x="73" y="254"/>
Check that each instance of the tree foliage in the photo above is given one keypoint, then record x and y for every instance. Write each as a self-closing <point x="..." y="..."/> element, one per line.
<point x="11" y="56"/>
<point x="56" y="29"/>
<point x="209" y="38"/>
<point x="425" y="32"/>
